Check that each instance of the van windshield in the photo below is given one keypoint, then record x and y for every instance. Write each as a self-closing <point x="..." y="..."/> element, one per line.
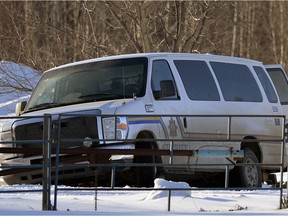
<point x="90" y="82"/>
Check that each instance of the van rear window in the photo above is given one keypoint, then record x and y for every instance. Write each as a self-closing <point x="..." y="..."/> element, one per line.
<point x="236" y="82"/>
<point x="198" y="80"/>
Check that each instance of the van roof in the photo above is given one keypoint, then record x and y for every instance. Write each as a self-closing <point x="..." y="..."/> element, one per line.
<point x="163" y="54"/>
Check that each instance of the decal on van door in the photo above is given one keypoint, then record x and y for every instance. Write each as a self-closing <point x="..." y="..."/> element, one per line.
<point x="172" y="128"/>
<point x="275" y="109"/>
<point x="148" y="121"/>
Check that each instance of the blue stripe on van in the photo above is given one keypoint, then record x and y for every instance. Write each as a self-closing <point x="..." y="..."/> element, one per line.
<point x="149" y="120"/>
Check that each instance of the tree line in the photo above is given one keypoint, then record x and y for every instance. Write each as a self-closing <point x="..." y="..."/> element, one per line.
<point x="44" y="34"/>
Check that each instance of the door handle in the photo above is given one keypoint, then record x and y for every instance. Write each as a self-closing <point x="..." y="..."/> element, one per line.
<point x="185" y="122"/>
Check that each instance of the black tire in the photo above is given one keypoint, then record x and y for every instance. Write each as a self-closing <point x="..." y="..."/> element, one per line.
<point x="144" y="176"/>
<point x="249" y="176"/>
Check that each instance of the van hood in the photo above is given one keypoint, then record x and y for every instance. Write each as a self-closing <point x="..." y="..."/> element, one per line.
<point x="97" y="108"/>
<point x="109" y="107"/>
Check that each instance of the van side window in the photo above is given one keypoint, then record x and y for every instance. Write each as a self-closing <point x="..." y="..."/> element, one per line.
<point x="198" y="80"/>
<point x="236" y="82"/>
<point x="162" y="82"/>
<point x="266" y="83"/>
<point x="280" y="83"/>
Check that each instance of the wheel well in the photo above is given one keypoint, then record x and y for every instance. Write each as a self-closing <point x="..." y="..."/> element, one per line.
<point x="146" y="135"/>
<point x="253" y="145"/>
<point x="149" y="144"/>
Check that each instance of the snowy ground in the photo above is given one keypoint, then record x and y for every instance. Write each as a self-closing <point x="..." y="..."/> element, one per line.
<point x="198" y="202"/>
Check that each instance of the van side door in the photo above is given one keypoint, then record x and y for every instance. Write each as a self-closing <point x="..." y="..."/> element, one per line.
<point x="169" y="107"/>
<point x="204" y="106"/>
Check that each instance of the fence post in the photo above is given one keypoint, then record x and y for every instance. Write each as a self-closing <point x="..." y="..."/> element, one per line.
<point x="171" y="152"/>
<point x="113" y="173"/>
<point x="46" y="170"/>
<point x="58" y="143"/>
<point x="226" y="176"/>
<point x="169" y="200"/>
<point x="282" y="164"/>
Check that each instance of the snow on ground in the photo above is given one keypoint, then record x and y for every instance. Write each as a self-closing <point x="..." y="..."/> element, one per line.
<point x="143" y="202"/>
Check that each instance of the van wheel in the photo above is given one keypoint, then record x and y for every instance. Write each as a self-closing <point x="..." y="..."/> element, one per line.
<point x="250" y="175"/>
<point x="144" y="176"/>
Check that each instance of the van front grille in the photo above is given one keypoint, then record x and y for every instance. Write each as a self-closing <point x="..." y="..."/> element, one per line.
<point x="72" y="128"/>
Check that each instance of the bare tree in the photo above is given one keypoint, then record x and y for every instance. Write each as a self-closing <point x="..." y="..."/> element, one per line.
<point x="17" y="78"/>
<point x="44" y="34"/>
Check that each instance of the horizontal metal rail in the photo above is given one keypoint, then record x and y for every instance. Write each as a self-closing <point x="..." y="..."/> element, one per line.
<point x="168" y="115"/>
<point x="143" y="152"/>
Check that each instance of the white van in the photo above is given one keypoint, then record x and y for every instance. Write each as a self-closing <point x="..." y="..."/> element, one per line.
<point x="201" y="101"/>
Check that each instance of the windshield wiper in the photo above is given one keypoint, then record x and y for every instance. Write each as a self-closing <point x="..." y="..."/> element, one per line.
<point x="94" y="95"/>
<point x="101" y="96"/>
<point x="44" y="105"/>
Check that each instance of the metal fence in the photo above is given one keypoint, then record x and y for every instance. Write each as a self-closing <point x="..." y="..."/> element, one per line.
<point x="49" y="148"/>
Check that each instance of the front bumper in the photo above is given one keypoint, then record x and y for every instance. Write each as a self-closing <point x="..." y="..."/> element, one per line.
<point x="77" y="167"/>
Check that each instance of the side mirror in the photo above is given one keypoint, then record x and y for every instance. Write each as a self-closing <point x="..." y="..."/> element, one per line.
<point x="167" y="88"/>
<point x="20" y="108"/>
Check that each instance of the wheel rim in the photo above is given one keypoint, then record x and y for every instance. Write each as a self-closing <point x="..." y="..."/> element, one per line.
<point x="251" y="173"/>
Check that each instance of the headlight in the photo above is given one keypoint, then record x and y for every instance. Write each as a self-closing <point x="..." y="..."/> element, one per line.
<point x="7" y="137"/>
<point x="115" y="128"/>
